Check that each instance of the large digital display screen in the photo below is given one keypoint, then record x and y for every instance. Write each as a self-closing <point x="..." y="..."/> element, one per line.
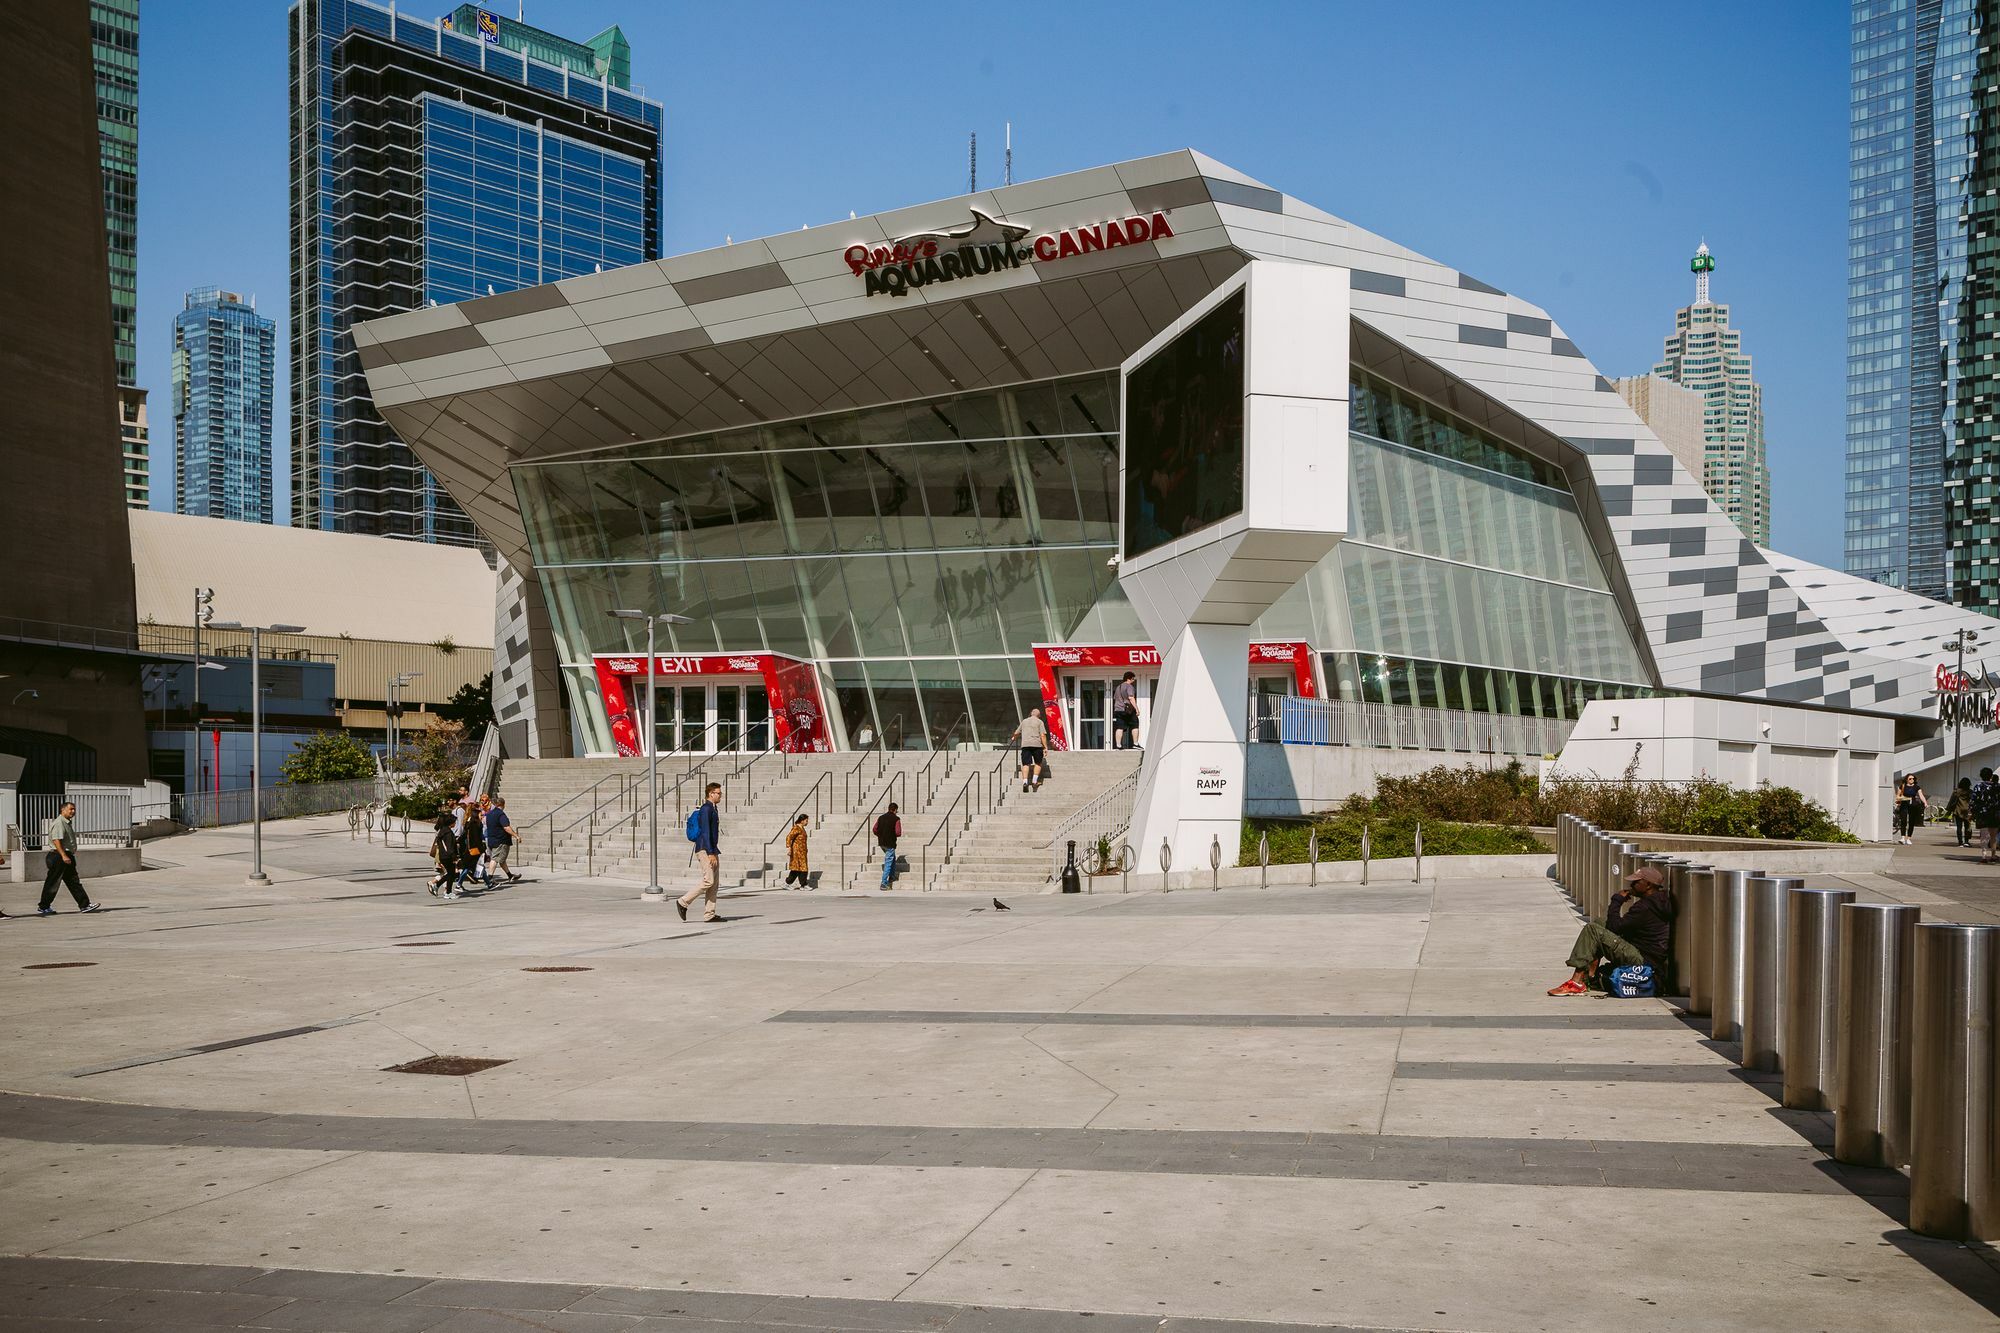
<point x="1184" y="433"/>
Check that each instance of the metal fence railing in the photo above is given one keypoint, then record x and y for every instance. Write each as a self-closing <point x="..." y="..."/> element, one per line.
<point x="1107" y="818"/>
<point x="103" y="818"/>
<point x="213" y="809"/>
<point x="1294" y="721"/>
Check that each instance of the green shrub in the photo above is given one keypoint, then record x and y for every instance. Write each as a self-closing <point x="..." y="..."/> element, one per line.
<point x="327" y="756"/>
<point x="1512" y="798"/>
<point x="423" y="801"/>
<point x="1396" y="835"/>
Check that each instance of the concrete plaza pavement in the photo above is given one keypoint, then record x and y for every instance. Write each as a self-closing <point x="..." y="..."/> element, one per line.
<point x="1341" y="1106"/>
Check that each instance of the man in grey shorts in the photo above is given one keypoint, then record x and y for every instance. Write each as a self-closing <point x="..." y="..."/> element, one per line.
<point x="1033" y="733"/>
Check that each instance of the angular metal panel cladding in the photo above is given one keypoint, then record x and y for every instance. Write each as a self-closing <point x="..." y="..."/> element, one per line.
<point x="1954" y="1160"/>
<point x="1812" y="996"/>
<point x="1871" y="1078"/>
<point x="1694" y="888"/>
<point x="1728" y="930"/>
<point x="1763" y="1017"/>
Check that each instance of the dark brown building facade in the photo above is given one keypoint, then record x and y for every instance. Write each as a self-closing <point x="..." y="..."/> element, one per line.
<point x="69" y="663"/>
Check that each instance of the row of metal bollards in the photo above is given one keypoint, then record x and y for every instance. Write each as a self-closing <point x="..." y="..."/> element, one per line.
<point x="1886" y="1020"/>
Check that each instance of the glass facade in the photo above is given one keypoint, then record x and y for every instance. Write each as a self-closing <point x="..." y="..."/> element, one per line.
<point x="1413" y="682"/>
<point x="431" y="165"/>
<point x="114" y="55"/>
<point x="508" y="205"/>
<point x="225" y="359"/>
<point x="915" y="552"/>
<point x="1912" y="137"/>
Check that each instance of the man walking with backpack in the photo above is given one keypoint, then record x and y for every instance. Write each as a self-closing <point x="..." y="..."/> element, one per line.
<point x="704" y="830"/>
<point x="888" y="828"/>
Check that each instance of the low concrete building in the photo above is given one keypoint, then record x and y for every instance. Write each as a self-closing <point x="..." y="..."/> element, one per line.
<point x="373" y="608"/>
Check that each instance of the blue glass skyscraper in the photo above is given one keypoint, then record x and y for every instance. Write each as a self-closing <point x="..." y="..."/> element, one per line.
<point x="225" y="356"/>
<point x="432" y="162"/>
<point x="1913" y="141"/>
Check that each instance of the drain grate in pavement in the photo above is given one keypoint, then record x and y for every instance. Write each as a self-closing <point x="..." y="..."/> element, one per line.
<point x="457" y="1065"/>
<point x="426" y="944"/>
<point x="555" y="969"/>
<point x="50" y="967"/>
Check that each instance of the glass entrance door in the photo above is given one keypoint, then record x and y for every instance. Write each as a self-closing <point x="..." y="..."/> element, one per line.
<point x="1093" y="714"/>
<point x="723" y="716"/>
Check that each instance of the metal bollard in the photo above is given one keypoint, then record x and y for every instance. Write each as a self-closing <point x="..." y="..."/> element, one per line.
<point x="1728" y="925"/>
<point x="1692" y="885"/>
<point x="1590" y="862"/>
<point x="1124" y="867"/>
<point x="1312" y="856"/>
<point x="1763" y="1017"/>
<point x="1871" y="1080"/>
<point x="1954" y="1174"/>
<point x="1215" y="862"/>
<point x="1166" y="867"/>
<point x="1364" y="852"/>
<point x="1565" y="834"/>
<point x="1418" y="846"/>
<point x="1263" y="860"/>
<point x="1812" y="996"/>
<point x="1630" y="858"/>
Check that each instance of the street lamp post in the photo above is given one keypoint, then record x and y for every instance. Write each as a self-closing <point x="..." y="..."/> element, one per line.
<point x="1964" y="638"/>
<point x="392" y="703"/>
<point x="257" y="875"/>
<point x="654" y="893"/>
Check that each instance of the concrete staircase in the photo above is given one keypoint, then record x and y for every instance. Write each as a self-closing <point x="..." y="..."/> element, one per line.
<point x="1009" y="850"/>
<point x="603" y="832"/>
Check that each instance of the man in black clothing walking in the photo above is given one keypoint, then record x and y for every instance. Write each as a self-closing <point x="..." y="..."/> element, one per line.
<point x="888" y="828"/>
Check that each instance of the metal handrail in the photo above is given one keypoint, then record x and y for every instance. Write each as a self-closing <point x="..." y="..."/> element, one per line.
<point x="868" y="822"/>
<point x="1095" y="807"/>
<point x="979" y="778"/>
<point x="945" y="744"/>
<point x="927" y="783"/>
<point x="812" y="799"/>
<point x="995" y="789"/>
<point x="549" y="817"/>
<point x="850" y="788"/>
<point x="743" y="769"/>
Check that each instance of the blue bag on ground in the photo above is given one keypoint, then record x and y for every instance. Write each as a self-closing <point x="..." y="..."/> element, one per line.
<point x="1629" y="983"/>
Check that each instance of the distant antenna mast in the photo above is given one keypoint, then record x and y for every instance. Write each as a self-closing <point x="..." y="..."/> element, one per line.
<point x="1007" y="173"/>
<point x="972" y="166"/>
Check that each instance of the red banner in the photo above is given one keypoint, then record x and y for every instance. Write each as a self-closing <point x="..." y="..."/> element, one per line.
<point x="1053" y="659"/>
<point x="798" y="712"/>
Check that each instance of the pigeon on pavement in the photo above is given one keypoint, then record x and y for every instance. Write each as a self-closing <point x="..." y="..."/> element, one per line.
<point x="999" y="906"/>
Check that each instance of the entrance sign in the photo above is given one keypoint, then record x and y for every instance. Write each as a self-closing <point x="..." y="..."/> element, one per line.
<point x="1053" y="661"/>
<point x="798" y="712"/>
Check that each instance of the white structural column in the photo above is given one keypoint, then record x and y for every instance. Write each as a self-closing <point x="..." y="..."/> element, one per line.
<point x="1198" y="595"/>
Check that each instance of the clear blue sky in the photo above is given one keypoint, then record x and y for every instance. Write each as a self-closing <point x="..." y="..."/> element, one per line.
<point x="1571" y="153"/>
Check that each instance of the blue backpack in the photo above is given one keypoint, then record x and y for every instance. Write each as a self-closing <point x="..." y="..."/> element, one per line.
<point x="694" y="825"/>
<point x="1629" y="983"/>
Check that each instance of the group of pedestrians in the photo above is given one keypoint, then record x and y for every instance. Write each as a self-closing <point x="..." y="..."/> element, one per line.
<point x="472" y="841"/>
<point x="1973" y="807"/>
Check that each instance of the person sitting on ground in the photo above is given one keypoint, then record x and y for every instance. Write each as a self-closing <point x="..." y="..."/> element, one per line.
<point x="1637" y="928"/>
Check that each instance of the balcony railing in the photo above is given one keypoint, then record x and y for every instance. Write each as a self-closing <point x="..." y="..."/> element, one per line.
<point x="1293" y="721"/>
